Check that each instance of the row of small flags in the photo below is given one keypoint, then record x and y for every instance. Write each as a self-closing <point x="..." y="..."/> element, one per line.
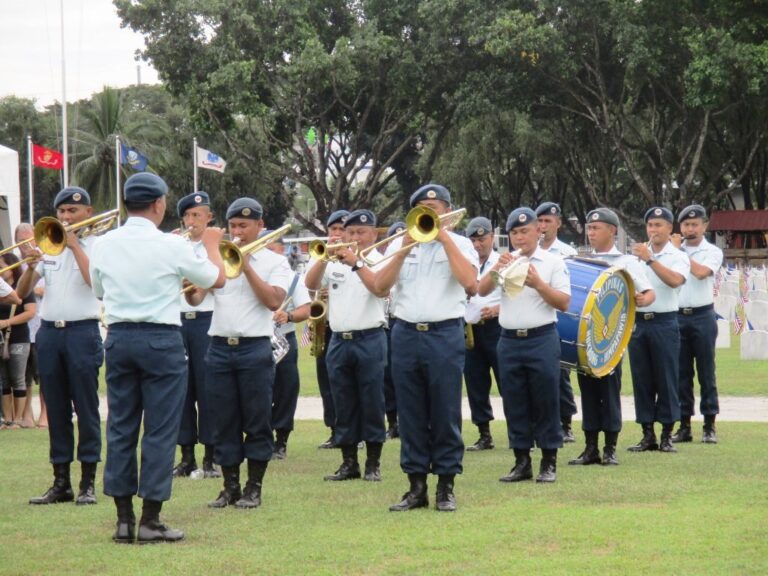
<point x="739" y="321"/>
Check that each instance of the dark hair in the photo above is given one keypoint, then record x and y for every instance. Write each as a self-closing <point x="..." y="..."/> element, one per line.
<point x="11" y="258"/>
<point x="138" y="206"/>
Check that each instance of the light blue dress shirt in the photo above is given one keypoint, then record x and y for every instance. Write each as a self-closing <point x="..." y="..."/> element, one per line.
<point x="666" y="296"/>
<point x="696" y="293"/>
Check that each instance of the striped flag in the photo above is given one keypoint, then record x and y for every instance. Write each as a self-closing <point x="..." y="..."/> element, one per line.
<point x="739" y="318"/>
<point x="304" y="339"/>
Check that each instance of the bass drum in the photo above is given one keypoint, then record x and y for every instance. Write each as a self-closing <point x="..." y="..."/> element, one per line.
<point x="595" y="331"/>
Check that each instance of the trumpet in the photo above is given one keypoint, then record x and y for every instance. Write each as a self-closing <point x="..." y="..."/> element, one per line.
<point x="234" y="255"/>
<point x="326" y="252"/>
<point x="422" y="224"/>
<point x="50" y="234"/>
<point x="512" y="277"/>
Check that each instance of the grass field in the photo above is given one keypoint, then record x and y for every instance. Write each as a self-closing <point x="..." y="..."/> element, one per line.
<point x="702" y="511"/>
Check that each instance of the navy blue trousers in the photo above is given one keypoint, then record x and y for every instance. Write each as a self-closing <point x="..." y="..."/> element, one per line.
<point x="356" y="368"/>
<point x="285" y="392"/>
<point x="196" y="418"/>
<point x="240" y="382"/>
<point x="478" y="364"/>
<point x="567" y="401"/>
<point x="427" y="369"/>
<point x="654" y="358"/>
<point x="530" y="388"/>
<point x="146" y="376"/>
<point x="390" y="399"/>
<point x="698" y="333"/>
<point x="69" y="361"/>
<point x="601" y="402"/>
<point x="324" y="384"/>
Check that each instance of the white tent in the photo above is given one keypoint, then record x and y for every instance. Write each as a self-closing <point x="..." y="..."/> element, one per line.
<point x="10" y="201"/>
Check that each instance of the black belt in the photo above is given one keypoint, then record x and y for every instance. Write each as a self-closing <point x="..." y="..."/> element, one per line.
<point x="697" y="310"/>
<point x="195" y="315"/>
<point x="527" y="332"/>
<point x="653" y="315"/>
<point x="143" y="326"/>
<point x="490" y="322"/>
<point x="237" y="340"/>
<point x="427" y="326"/>
<point x="67" y="323"/>
<point x="357" y="334"/>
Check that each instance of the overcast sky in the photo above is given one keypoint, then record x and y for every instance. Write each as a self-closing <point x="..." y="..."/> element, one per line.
<point x="98" y="51"/>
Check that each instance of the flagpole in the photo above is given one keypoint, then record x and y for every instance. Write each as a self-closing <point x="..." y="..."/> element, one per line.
<point x="117" y="177"/>
<point x="194" y="163"/>
<point x="29" y="181"/>
<point x="64" y="100"/>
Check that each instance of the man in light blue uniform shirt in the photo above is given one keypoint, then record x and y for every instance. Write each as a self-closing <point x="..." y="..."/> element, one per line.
<point x="482" y="318"/>
<point x="698" y="325"/>
<point x="137" y="271"/>
<point x="432" y="281"/>
<point x="390" y="398"/>
<point x="549" y="218"/>
<point x="654" y="349"/>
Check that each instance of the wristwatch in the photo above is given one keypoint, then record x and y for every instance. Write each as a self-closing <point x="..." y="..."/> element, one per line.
<point x="290" y="317"/>
<point x="359" y="264"/>
<point x="650" y="261"/>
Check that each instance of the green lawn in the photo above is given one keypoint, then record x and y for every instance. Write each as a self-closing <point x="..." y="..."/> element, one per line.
<point x="702" y="511"/>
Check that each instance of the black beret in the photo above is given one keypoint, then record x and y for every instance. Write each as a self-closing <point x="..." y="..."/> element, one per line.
<point x="360" y="218"/>
<point x="603" y="215"/>
<point x="245" y="208"/>
<point x="191" y="200"/>
<point x="659" y="212"/>
<point x="336" y="217"/>
<point x="71" y="195"/>
<point x="431" y="192"/>
<point x="692" y="211"/>
<point x="395" y="228"/>
<point x="548" y="209"/>
<point x="520" y="217"/>
<point x="479" y="226"/>
<point x="144" y="188"/>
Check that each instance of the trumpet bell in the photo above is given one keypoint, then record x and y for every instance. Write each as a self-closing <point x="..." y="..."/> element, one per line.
<point x="423" y="224"/>
<point x="317" y="250"/>
<point x="50" y="236"/>
<point x="231" y="257"/>
<point x="512" y="278"/>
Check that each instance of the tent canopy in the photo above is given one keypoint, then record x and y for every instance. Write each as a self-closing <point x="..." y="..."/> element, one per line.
<point x="10" y="200"/>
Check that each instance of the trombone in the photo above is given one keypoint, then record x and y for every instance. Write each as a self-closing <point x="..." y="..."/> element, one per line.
<point x="234" y="255"/>
<point x="422" y="224"/>
<point x="319" y="250"/>
<point x="50" y="234"/>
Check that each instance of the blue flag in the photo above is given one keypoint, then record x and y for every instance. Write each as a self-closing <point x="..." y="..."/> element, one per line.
<point x="133" y="158"/>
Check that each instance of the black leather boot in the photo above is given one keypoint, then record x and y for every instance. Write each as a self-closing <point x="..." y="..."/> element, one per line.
<point x="666" y="438"/>
<point x="187" y="464"/>
<point x="349" y="469"/>
<point x="393" y="430"/>
<point x="331" y="442"/>
<point x="609" y="451"/>
<point x="683" y="433"/>
<point x="548" y="466"/>
<point x="485" y="442"/>
<point x="87" y="493"/>
<point x="125" y="528"/>
<point x="61" y="491"/>
<point x="281" y="444"/>
<point x="648" y="442"/>
<point x="710" y="435"/>
<point x="522" y="469"/>
<point x="567" y="429"/>
<point x="209" y="469"/>
<point x="591" y="454"/>
<point x="416" y="497"/>
<point x="252" y="493"/>
<point x="373" y="462"/>
<point x="231" y="492"/>
<point x="151" y="529"/>
<point x="445" y="501"/>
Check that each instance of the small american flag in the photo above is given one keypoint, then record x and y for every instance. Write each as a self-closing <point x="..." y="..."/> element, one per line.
<point x="305" y="336"/>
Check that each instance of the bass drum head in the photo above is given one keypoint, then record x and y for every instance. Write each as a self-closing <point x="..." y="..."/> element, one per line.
<point x="608" y="318"/>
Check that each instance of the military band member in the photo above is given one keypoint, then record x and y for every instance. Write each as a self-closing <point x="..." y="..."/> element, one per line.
<point x="194" y="210"/>
<point x="601" y="397"/>
<point x="334" y="226"/>
<point x="549" y="217"/>
<point x="698" y="325"/>
<point x="240" y="368"/>
<point x="529" y="350"/>
<point x="285" y="391"/>
<point x="357" y="351"/>
<point x="482" y="317"/>
<point x="137" y="271"/>
<point x="432" y="280"/>
<point x="654" y="349"/>
<point x="71" y="353"/>
<point x="390" y="399"/>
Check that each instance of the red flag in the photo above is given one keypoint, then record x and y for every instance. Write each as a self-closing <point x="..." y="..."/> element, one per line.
<point x="47" y="158"/>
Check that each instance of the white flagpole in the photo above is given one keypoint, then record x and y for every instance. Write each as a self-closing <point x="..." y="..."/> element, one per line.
<point x="194" y="162"/>
<point x="30" y="182"/>
<point x="117" y="177"/>
<point x="64" y="101"/>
